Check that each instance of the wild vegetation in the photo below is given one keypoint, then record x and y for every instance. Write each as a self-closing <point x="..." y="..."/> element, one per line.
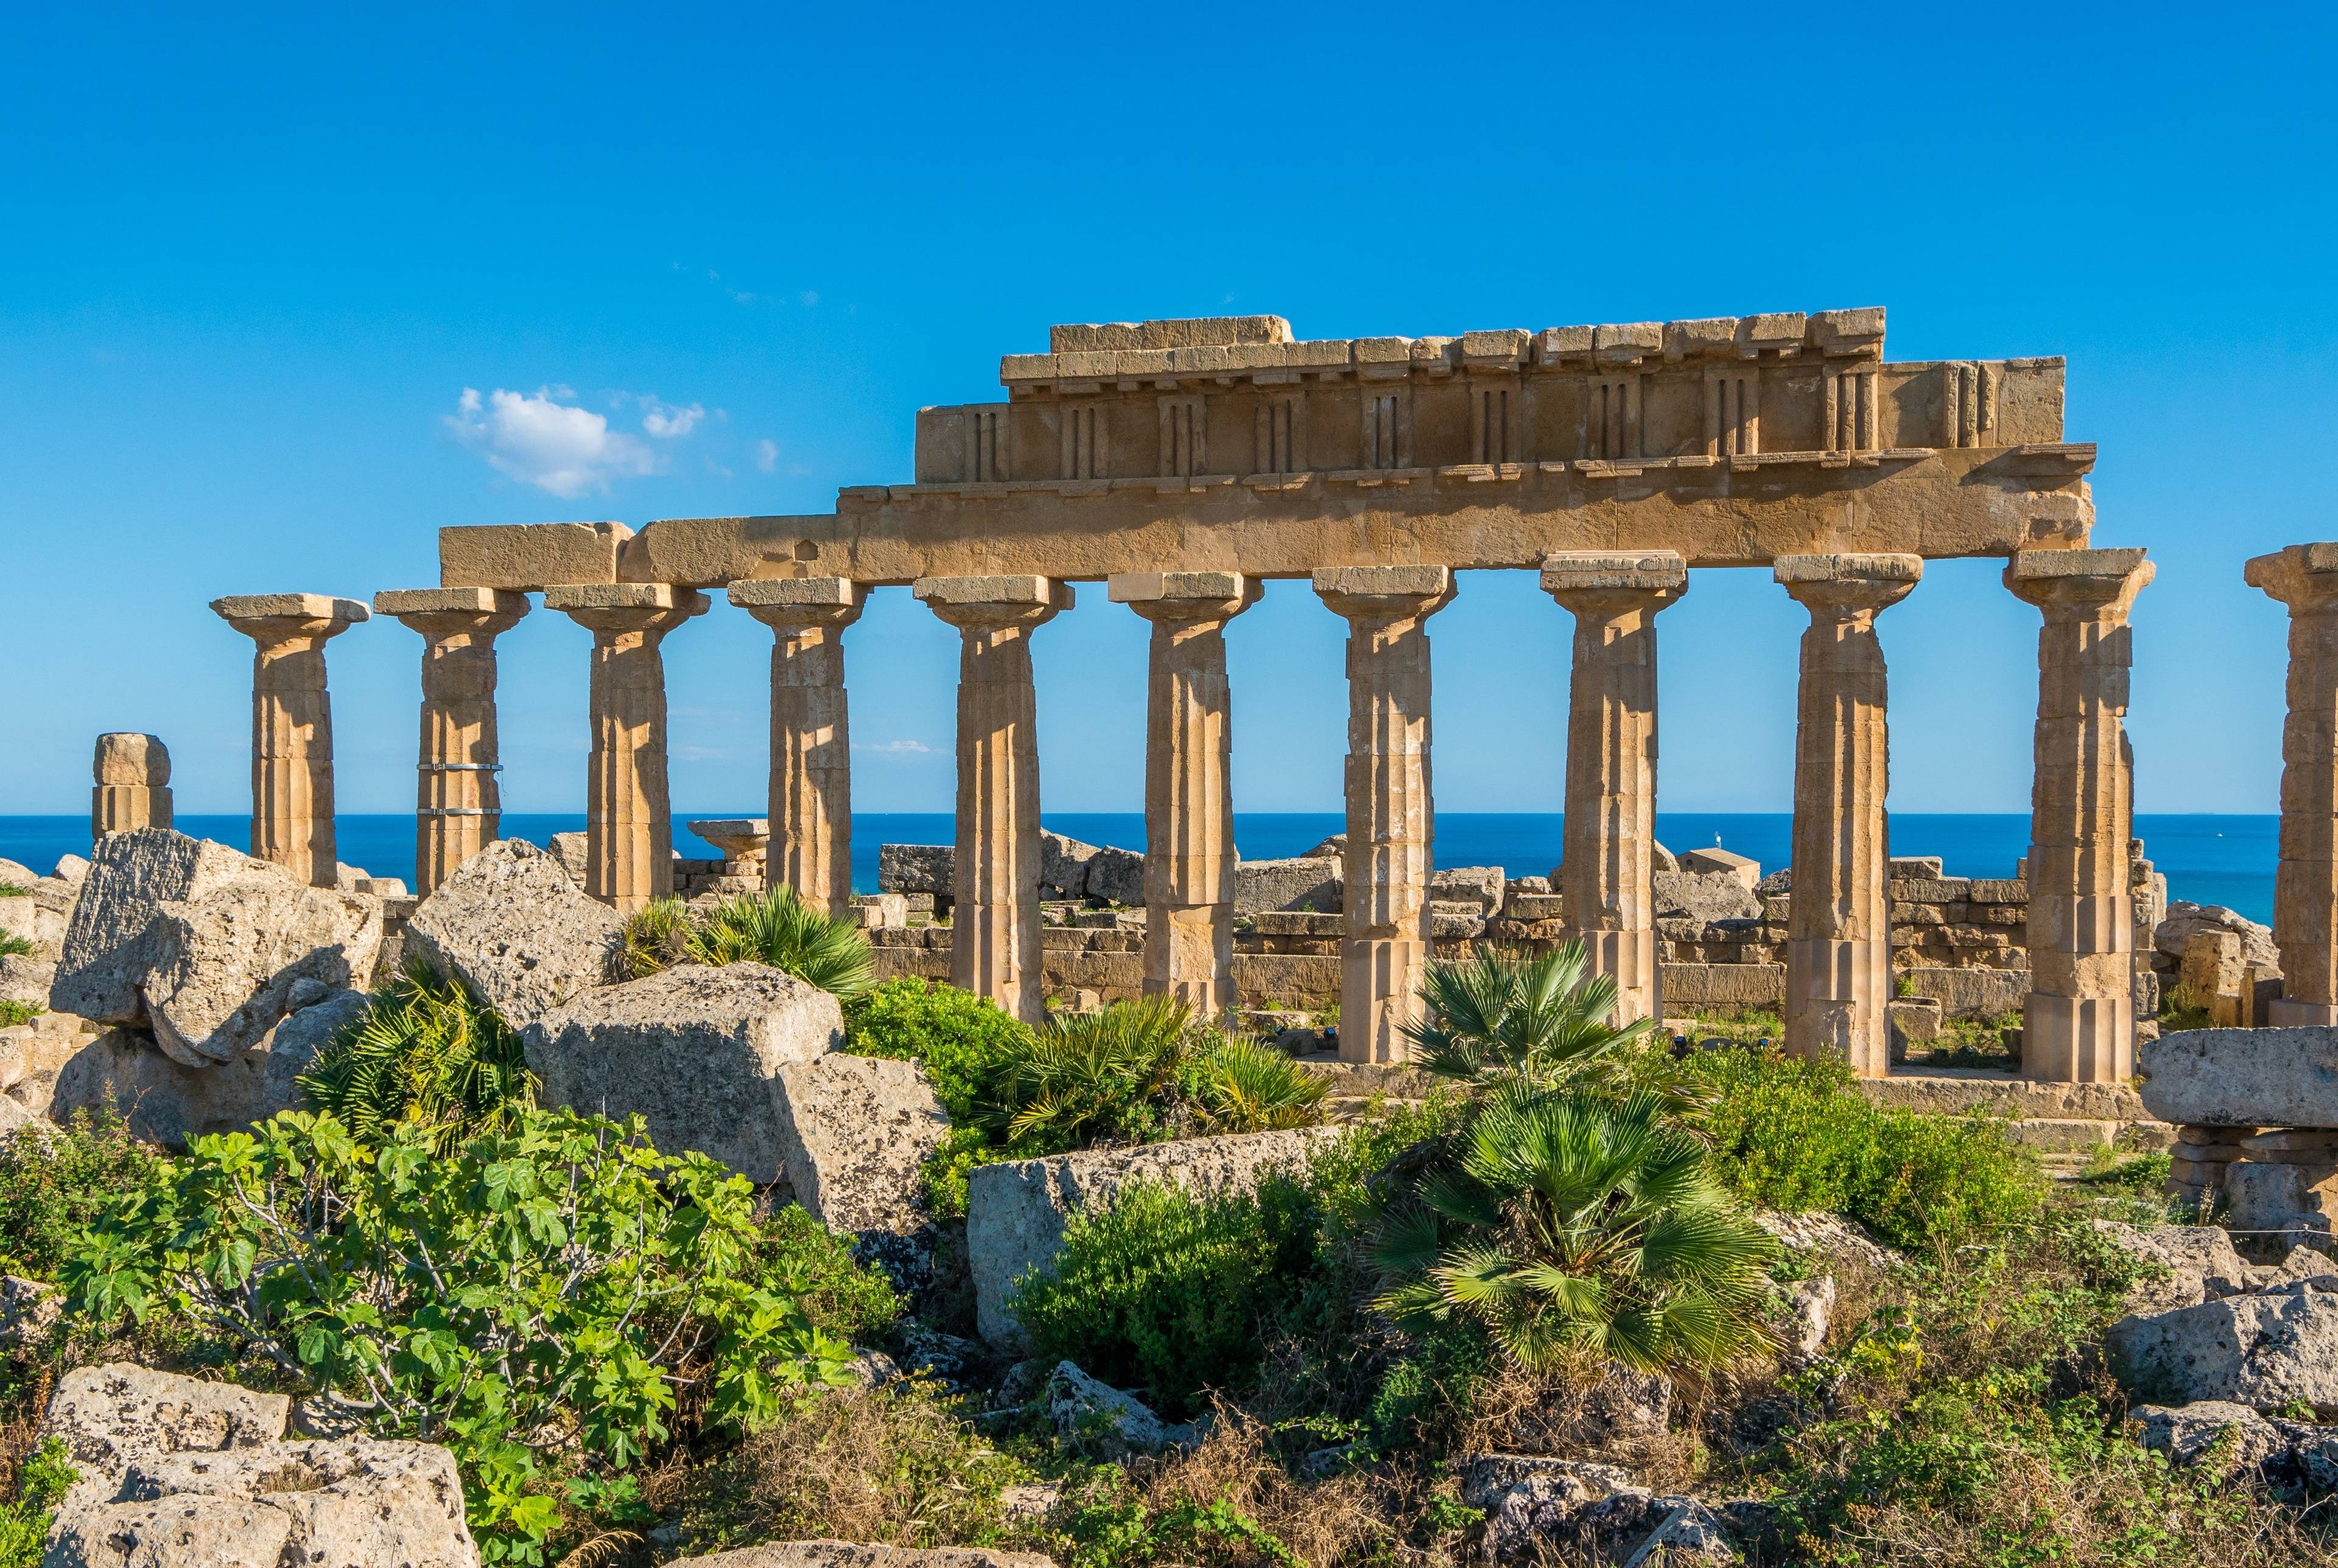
<point x="774" y="928"/>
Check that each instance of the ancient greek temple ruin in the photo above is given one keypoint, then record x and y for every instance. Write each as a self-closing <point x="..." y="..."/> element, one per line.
<point x="1180" y="463"/>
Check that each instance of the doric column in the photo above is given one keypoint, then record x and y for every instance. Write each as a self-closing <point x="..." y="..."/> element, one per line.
<point x="459" y="808"/>
<point x="995" y="919"/>
<point x="2305" y="886"/>
<point x="132" y="785"/>
<point x="1391" y="825"/>
<point x="2077" y="1026"/>
<point x="291" y="725"/>
<point x="1189" y="825"/>
<point x="1838" y="935"/>
<point x="811" y="811"/>
<point x="628" y="816"/>
<point x="1611" y="760"/>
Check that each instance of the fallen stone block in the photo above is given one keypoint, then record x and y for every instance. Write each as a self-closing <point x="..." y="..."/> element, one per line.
<point x="1482" y="886"/>
<point x="1310" y="883"/>
<point x="855" y="1132"/>
<point x="1705" y="896"/>
<point x="1721" y="862"/>
<point x="2266" y="1350"/>
<point x="1063" y="865"/>
<point x="163" y="1102"/>
<point x="696" y="1051"/>
<point x="1105" y="1423"/>
<point x="27" y="979"/>
<point x="108" y="1417"/>
<point x="1015" y="1212"/>
<point x="2191" y="1264"/>
<point x="916" y="868"/>
<point x="2243" y="1077"/>
<point x="512" y="926"/>
<point x="2185" y="920"/>
<point x="1118" y="877"/>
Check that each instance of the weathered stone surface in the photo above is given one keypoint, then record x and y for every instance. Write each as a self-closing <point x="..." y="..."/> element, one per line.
<point x="1705" y="896"/>
<point x="163" y="1102"/>
<point x="2243" y="1077"/>
<point x="695" y="1050"/>
<point x="854" y="1131"/>
<point x="1721" y="862"/>
<point x="2187" y="1434"/>
<point x="1117" y="876"/>
<point x="1063" y="864"/>
<point x="514" y="927"/>
<point x="1310" y="883"/>
<point x="109" y="947"/>
<point x="809" y="811"/>
<point x="2198" y="1260"/>
<point x="227" y="962"/>
<point x="1105" y="1423"/>
<point x="2186" y="920"/>
<point x="852" y="1555"/>
<point x="1015" y="1212"/>
<point x="1480" y="886"/>
<point x="1971" y="992"/>
<point x="2266" y="1350"/>
<point x="28" y="1311"/>
<point x="1536" y="1505"/>
<point x="111" y="1417"/>
<point x="1828" y="1236"/>
<point x="920" y="868"/>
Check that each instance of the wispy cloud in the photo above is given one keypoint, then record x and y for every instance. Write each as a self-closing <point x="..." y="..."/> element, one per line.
<point x="767" y="454"/>
<point x="899" y="748"/>
<point x="668" y="423"/>
<point x="543" y="438"/>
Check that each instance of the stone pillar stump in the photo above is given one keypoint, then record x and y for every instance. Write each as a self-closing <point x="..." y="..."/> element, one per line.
<point x="1391" y="823"/>
<point x="628" y="815"/>
<point x="1838" y="932"/>
<point x="1189" y="825"/>
<point x="1611" y="760"/>
<point x="459" y="807"/>
<point x="132" y="788"/>
<point x="293" y="725"/>
<point x="2305" y="886"/>
<point x="2078" y="1022"/>
<point x="994" y="916"/>
<point x="811" y="796"/>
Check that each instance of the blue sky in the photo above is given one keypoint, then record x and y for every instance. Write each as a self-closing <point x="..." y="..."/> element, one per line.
<point x="253" y="266"/>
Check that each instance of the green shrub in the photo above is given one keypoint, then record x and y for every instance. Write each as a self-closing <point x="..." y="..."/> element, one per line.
<point x="1795" y="1134"/>
<point x="14" y="1013"/>
<point x="1237" y="1084"/>
<point x="775" y="929"/>
<point x="1577" y="1228"/>
<point x="1536" y="1019"/>
<point x="562" y="1280"/>
<point x="798" y="1257"/>
<point x="13" y="889"/>
<point x="41" y="1484"/>
<point x="1086" y="1077"/>
<point x="424" y="1052"/>
<point x="1166" y="1291"/>
<point x="53" y="1187"/>
<point x="14" y="946"/>
<point x="959" y="1036"/>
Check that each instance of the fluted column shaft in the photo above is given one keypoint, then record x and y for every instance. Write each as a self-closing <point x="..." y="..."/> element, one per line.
<point x="1838" y="932"/>
<point x="459" y="807"/>
<point x="811" y="809"/>
<point x="2305" y="883"/>
<point x="1189" y="825"/>
<point x="1391" y="823"/>
<point x="628" y="813"/>
<point x="995" y="949"/>
<point x="1610" y="830"/>
<point x="2078" y="1022"/>
<point x="130" y="787"/>
<point x="291" y="726"/>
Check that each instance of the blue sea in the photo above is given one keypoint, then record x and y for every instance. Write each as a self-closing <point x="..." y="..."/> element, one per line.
<point x="2226" y="860"/>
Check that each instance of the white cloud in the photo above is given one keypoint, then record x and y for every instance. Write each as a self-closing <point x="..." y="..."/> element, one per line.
<point x="907" y="748"/>
<point x="667" y="423"/>
<point x="767" y="454"/>
<point x="537" y="439"/>
<point x="811" y="297"/>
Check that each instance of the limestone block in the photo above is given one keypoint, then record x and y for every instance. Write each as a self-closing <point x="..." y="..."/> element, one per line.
<point x="570" y="850"/>
<point x="1915" y="867"/>
<point x="124" y="1072"/>
<point x="1705" y="896"/>
<point x="854" y="1132"/>
<point x="226" y="964"/>
<point x="1723" y="984"/>
<point x="1542" y="906"/>
<point x="1721" y="862"/>
<point x="2187" y="1434"/>
<point x="2185" y="920"/>
<point x="1996" y="890"/>
<point x="1105" y="1423"/>
<point x="1481" y="886"/>
<point x="2200" y="1261"/>
<point x="1312" y="882"/>
<point x="37" y="921"/>
<point x="1455" y="922"/>
<point x="109" y="1417"/>
<point x="928" y="869"/>
<point x="1971" y="992"/>
<point x="1063" y="864"/>
<point x="2266" y="1350"/>
<point x="1015" y="1212"/>
<point x="2276" y="1195"/>
<point x="697" y="1051"/>
<point x="109" y="946"/>
<point x="1116" y="875"/>
<point x="514" y="927"/>
<point x="2243" y="1077"/>
<point x="530" y="555"/>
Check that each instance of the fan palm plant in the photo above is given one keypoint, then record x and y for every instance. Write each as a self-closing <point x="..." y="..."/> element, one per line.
<point x="1577" y="1227"/>
<point x="424" y="1051"/>
<point x="775" y="929"/>
<point x="1084" y="1076"/>
<point x="1534" y="1021"/>
<point x="1244" y="1085"/>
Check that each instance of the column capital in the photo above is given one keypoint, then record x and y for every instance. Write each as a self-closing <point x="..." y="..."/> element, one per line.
<point x="1181" y="598"/>
<point x="279" y="620"/>
<point x="989" y="604"/>
<point x="2305" y="576"/>
<point x="446" y="611"/>
<point x="658" y="607"/>
<point x="1847" y="585"/>
<point x="2086" y="584"/>
<point x="788" y="604"/>
<point x="1604" y="583"/>
<point x="1384" y="593"/>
